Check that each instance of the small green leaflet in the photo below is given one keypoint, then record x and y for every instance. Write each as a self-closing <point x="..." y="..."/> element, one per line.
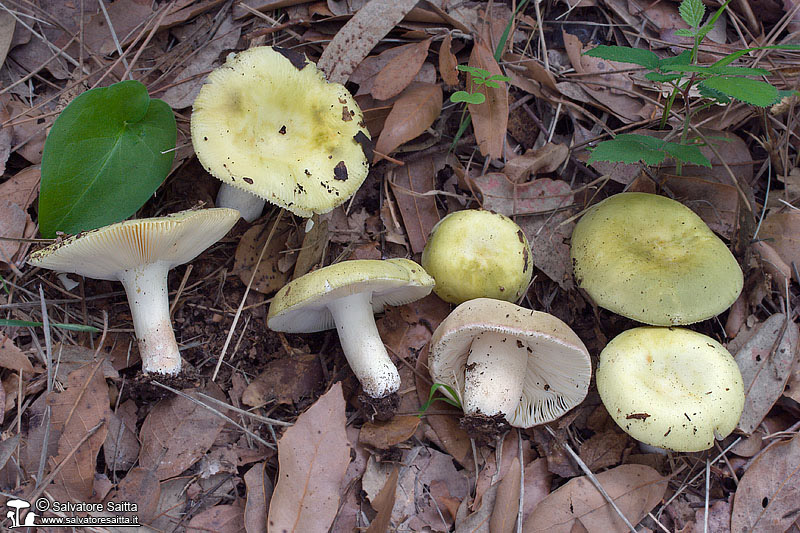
<point x="752" y="92"/>
<point x="107" y="153"/>
<point x="625" y="54"/>
<point x="29" y="323"/>
<point x="692" y="12"/>
<point x="470" y="98"/>
<point x="632" y="148"/>
<point x="435" y="387"/>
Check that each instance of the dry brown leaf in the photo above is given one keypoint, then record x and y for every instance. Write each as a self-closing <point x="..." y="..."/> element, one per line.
<point x="545" y="159"/>
<point x="506" y="504"/>
<point x="508" y="198"/>
<point x="401" y="70"/>
<point x="783" y="232"/>
<point x="74" y="412"/>
<point x="7" y="23"/>
<point x="13" y="220"/>
<point x="353" y="42"/>
<point x="121" y="448"/>
<point x="413" y="112"/>
<point x="448" y="62"/>
<point x="419" y="212"/>
<point x="719" y="519"/>
<point x="765" y="361"/>
<point x="313" y="456"/>
<point x="767" y="497"/>
<point x="602" y="450"/>
<point x="367" y="72"/>
<point x="23" y="187"/>
<point x="125" y="15"/>
<point x="538" y="481"/>
<point x="71" y="357"/>
<point x="12" y="357"/>
<point x="29" y="134"/>
<point x="477" y="522"/>
<point x="220" y="519"/>
<point x="384" y="503"/>
<point x="259" y="493"/>
<point x="178" y="432"/>
<point x="384" y="435"/>
<point x="286" y="380"/>
<point x="489" y="119"/>
<point x="636" y="489"/>
<point x="139" y="486"/>
<point x="269" y="277"/>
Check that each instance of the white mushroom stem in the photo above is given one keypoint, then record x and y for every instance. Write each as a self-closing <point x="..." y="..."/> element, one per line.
<point x="362" y="345"/>
<point x="146" y="287"/>
<point x="248" y="204"/>
<point x="494" y="375"/>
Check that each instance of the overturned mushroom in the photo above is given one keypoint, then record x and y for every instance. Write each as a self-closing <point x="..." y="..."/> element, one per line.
<point x="510" y="365"/>
<point x="139" y="253"/>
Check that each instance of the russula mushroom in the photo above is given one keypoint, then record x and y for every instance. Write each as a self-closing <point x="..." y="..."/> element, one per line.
<point x="652" y="259"/>
<point x="270" y="127"/>
<point x="509" y="365"/>
<point x="139" y="253"/>
<point x="478" y="254"/>
<point x="670" y="387"/>
<point x="345" y="296"/>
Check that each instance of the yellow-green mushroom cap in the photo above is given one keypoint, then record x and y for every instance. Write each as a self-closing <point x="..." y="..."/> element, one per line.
<point x="345" y="296"/>
<point x="671" y="387"/>
<point x="478" y="254"/>
<point x="652" y="259"/>
<point x="268" y="122"/>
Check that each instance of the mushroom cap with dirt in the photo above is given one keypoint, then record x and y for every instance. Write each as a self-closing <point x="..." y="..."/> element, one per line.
<point x="344" y="296"/>
<point x="269" y="126"/>
<point x="139" y="253"/>
<point x="652" y="259"/>
<point x="671" y="387"/>
<point x="509" y="365"/>
<point x="478" y="254"/>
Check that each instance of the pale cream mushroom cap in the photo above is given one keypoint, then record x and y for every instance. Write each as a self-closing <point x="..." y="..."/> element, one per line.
<point x="670" y="387"/>
<point x="268" y="122"/>
<point x="102" y="253"/>
<point x="652" y="259"/>
<point x="558" y="368"/>
<point x="478" y="254"/>
<point x="302" y="305"/>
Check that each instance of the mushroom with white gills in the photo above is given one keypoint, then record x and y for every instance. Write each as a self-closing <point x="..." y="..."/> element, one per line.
<point x="270" y="127"/>
<point x="510" y="365"/>
<point x="475" y="253"/>
<point x="672" y="388"/>
<point x="139" y="253"/>
<point x="652" y="259"/>
<point x="345" y="295"/>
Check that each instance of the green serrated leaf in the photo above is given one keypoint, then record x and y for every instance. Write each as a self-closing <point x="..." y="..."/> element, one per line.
<point x="752" y="92"/>
<point x="716" y="70"/>
<point x="107" y="152"/>
<point x="687" y="153"/>
<point x="33" y="324"/>
<point x="684" y="58"/>
<point x="662" y="78"/>
<point x="683" y="32"/>
<point x="470" y="98"/>
<point x="629" y="148"/>
<point x="692" y="12"/>
<point x="625" y="54"/>
<point x="708" y="92"/>
<point x="474" y="71"/>
<point x="498" y="77"/>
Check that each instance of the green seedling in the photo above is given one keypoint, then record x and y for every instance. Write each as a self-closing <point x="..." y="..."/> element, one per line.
<point x="479" y="77"/>
<point x="718" y="84"/>
<point x="107" y="153"/>
<point x="435" y="387"/>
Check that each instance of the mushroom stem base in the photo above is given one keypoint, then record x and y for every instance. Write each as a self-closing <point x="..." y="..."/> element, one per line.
<point x="484" y="428"/>
<point x="146" y="287"/>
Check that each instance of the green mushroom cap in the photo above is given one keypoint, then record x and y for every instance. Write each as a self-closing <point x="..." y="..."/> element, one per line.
<point x="652" y="259"/>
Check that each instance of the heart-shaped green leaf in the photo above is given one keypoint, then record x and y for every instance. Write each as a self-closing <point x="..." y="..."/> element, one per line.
<point x="107" y="152"/>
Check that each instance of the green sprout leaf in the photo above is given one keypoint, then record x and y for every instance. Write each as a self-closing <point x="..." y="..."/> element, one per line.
<point x="752" y="92"/>
<point x="435" y="387"/>
<point x="687" y="153"/>
<point x="683" y="32"/>
<point x="470" y="98"/>
<point x="625" y="54"/>
<point x="107" y="152"/>
<point x="692" y="12"/>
